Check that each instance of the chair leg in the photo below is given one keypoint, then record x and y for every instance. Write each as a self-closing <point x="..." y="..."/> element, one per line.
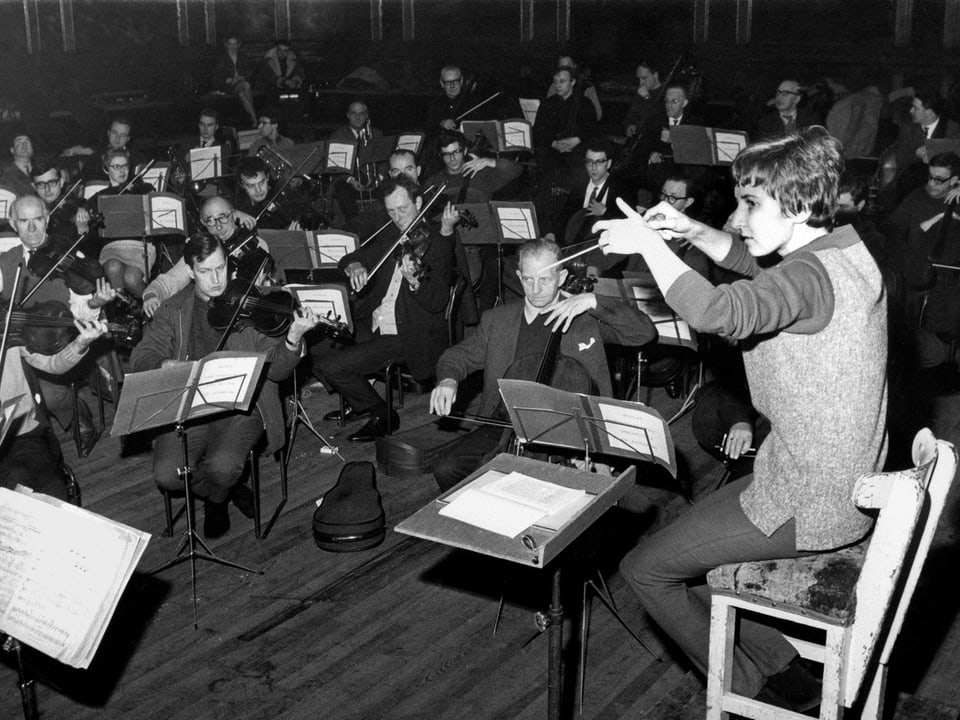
<point x="255" y="488"/>
<point x="720" y="674"/>
<point x="831" y="705"/>
<point x="876" y="689"/>
<point x="76" y="418"/>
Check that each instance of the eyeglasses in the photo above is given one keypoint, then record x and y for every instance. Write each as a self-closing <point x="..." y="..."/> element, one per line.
<point x="672" y="198"/>
<point x="452" y="153"/>
<point x="45" y="184"/>
<point x="119" y="167"/>
<point x="456" y="81"/>
<point x="595" y="163"/>
<point x="674" y="101"/>
<point x="787" y="92"/>
<point x="216" y="220"/>
<point x="938" y="180"/>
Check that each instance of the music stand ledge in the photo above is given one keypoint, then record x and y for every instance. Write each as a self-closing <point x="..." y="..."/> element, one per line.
<point x="535" y="547"/>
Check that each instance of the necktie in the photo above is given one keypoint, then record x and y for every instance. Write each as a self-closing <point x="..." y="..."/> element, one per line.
<point x="593" y="196"/>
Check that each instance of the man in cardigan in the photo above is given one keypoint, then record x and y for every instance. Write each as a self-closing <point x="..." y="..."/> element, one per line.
<point x="508" y="332"/>
<point x="814" y="322"/>
<point x="180" y="332"/>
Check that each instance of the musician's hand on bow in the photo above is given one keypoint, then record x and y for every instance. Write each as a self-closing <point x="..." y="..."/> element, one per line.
<point x="304" y="320"/>
<point x="294" y="225"/>
<point x="357" y="274"/>
<point x="739" y="439"/>
<point x="103" y="295"/>
<point x="90" y="330"/>
<point x="449" y="220"/>
<point x="245" y="220"/>
<point x="150" y="306"/>
<point x="443" y="396"/>
<point x="655" y="158"/>
<point x="565" y="310"/>
<point x="626" y="236"/>
<point x="475" y="164"/>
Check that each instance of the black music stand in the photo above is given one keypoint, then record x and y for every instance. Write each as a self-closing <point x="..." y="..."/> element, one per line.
<point x="175" y="395"/>
<point x="515" y="223"/>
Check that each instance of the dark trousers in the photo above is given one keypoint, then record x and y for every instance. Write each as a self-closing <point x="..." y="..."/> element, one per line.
<point x="466" y="455"/>
<point x="33" y="460"/>
<point x="217" y="451"/>
<point x="666" y="571"/>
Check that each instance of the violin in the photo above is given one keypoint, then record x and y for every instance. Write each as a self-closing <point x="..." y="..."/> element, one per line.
<point x="61" y="259"/>
<point x="270" y="313"/>
<point x="47" y="328"/>
<point x="415" y="231"/>
<point x="245" y="254"/>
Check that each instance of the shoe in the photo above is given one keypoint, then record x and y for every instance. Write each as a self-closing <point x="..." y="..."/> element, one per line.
<point x="88" y="432"/>
<point x="216" y="519"/>
<point x="242" y="498"/>
<point x="376" y="427"/>
<point x="794" y="688"/>
<point x="348" y="415"/>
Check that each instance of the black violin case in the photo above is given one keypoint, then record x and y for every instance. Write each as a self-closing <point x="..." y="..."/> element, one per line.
<point x="350" y="516"/>
<point x="410" y="454"/>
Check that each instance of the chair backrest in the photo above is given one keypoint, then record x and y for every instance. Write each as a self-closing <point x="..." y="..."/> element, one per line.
<point x="910" y="504"/>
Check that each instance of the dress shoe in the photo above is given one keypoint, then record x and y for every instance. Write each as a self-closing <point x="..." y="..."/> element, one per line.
<point x="242" y="498"/>
<point x="349" y="414"/>
<point x="794" y="688"/>
<point x="216" y="519"/>
<point x="376" y="427"/>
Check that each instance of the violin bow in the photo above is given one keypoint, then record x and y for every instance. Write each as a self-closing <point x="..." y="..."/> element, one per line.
<point x="283" y="185"/>
<point x="51" y="271"/>
<point x="404" y="236"/>
<point x="243" y="299"/>
<point x="9" y="319"/>
<point x="133" y="181"/>
<point x="67" y="194"/>
<point x="462" y="115"/>
<point x="387" y="223"/>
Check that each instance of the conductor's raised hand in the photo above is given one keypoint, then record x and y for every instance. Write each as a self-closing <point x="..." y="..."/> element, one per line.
<point x="564" y="311"/>
<point x="668" y="221"/>
<point x="625" y="236"/>
<point x="443" y="396"/>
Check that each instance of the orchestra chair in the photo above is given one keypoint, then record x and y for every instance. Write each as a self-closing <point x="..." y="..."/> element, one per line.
<point x="253" y="467"/>
<point x="854" y="598"/>
<point x="105" y="389"/>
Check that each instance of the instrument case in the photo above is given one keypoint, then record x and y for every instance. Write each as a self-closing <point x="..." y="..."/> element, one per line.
<point x="350" y="516"/>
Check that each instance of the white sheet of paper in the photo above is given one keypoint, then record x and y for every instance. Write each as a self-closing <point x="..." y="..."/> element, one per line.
<point x="410" y="142"/>
<point x="530" y="106"/>
<point x="491" y="513"/>
<point x="729" y="144"/>
<point x="626" y="431"/>
<point x="517" y="134"/>
<point x="331" y="247"/>
<point x="205" y="163"/>
<point x="325" y="302"/>
<point x="224" y="380"/>
<point x="340" y="155"/>
<point x="516" y="223"/>
<point x="167" y="212"/>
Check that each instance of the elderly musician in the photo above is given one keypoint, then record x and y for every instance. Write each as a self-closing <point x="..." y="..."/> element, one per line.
<point x="400" y="312"/>
<point x="508" y="332"/>
<point x="181" y="332"/>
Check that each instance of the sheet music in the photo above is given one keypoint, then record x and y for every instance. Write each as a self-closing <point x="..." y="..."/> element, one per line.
<point x="410" y="142"/>
<point x="6" y="202"/>
<point x="167" y="213"/>
<point x="157" y="176"/>
<point x="224" y="380"/>
<point x="626" y="426"/>
<point x="516" y="223"/>
<point x="517" y="134"/>
<point x="340" y="156"/>
<point x="728" y="144"/>
<point x="93" y="187"/>
<point x="530" y="106"/>
<point x="205" y="163"/>
<point x="327" y="302"/>
<point x="330" y="246"/>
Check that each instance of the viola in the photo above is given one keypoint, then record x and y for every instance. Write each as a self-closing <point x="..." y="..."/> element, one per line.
<point x="270" y="313"/>
<point x="47" y="327"/>
<point x="246" y="255"/>
<point x="79" y="272"/>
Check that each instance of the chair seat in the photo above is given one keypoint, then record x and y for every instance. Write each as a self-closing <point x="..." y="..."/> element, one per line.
<point x="820" y="585"/>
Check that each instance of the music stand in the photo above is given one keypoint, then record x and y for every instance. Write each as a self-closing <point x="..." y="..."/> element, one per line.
<point x="515" y="222"/>
<point x="220" y="382"/>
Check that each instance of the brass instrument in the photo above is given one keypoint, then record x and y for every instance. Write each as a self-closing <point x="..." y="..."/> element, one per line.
<point x="278" y="165"/>
<point x="366" y="174"/>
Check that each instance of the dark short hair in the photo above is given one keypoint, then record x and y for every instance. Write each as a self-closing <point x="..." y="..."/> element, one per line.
<point x="211" y="113"/>
<point x="677" y="84"/>
<point x="599" y="144"/>
<point x="801" y="172"/>
<point x="270" y="112"/>
<point x="448" y="137"/>
<point x="649" y="65"/>
<point x="122" y="120"/>
<point x="572" y="72"/>
<point x="694" y="187"/>
<point x="855" y="184"/>
<point x="390" y="186"/>
<point x="947" y="160"/>
<point x="931" y="100"/>
<point x="111" y="154"/>
<point x="250" y="166"/>
<point x="199" y="247"/>
<point x="41" y="167"/>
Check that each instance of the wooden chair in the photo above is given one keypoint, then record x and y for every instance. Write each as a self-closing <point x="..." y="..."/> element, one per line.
<point x="855" y="598"/>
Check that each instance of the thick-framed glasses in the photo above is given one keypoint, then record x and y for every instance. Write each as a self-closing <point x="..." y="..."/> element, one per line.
<point x="46" y="184"/>
<point x="452" y="153"/>
<point x="217" y="220"/>
<point x="118" y="168"/>
<point x="939" y="180"/>
<point x="451" y="83"/>
<point x="667" y="197"/>
<point x="787" y="92"/>
<point x="595" y="163"/>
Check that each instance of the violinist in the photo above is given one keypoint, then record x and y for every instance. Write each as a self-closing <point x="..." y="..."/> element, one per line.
<point x="256" y="199"/>
<point x="29" y="217"/>
<point x="443" y="111"/>
<point x="72" y="218"/>
<point x="32" y="455"/>
<point x="221" y="221"/>
<point x="122" y="258"/>
<point x="470" y="179"/>
<point x="400" y="312"/>
<point x="180" y="331"/>
<point x="508" y="332"/>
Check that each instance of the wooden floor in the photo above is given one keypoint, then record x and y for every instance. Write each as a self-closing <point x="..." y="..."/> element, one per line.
<point x="405" y="630"/>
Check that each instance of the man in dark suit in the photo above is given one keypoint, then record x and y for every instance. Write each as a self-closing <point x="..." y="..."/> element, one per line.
<point x="349" y="191"/>
<point x="929" y="123"/>
<point x="597" y="198"/>
<point x="655" y="144"/>
<point x="789" y="117"/>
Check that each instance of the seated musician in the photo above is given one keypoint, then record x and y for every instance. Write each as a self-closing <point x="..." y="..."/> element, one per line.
<point x="444" y="110"/>
<point x="816" y="362"/>
<point x="470" y="179"/>
<point x="655" y="149"/>
<point x="180" y="331"/>
<point x="220" y="220"/>
<point x="270" y="137"/>
<point x="118" y="135"/>
<point x="15" y="173"/>
<point x="72" y="218"/>
<point x="123" y="258"/>
<point x="400" y="162"/>
<point x="256" y="202"/>
<point x="509" y="332"/>
<point x="400" y="316"/>
<point x="357" y="130"/>
<point x="29" y="217"/>
<point x="31" y="453"/>
<point x="232" y="75"/>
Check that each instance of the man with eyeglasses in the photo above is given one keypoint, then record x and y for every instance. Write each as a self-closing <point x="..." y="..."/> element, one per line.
<point x="444" y="110"/>
<point x="72" y="217"/>
<point x="219" y="220"/>
<point x="929" y="122"/>
<point x="269" y="125"/>
<point x="595" y="199"/>
<point x="477" y="178"/>
<point x="789" y="118"/>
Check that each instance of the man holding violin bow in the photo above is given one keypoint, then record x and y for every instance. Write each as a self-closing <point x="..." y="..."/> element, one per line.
<point x="403" y="282"/>
<point x="181" y="331"/>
